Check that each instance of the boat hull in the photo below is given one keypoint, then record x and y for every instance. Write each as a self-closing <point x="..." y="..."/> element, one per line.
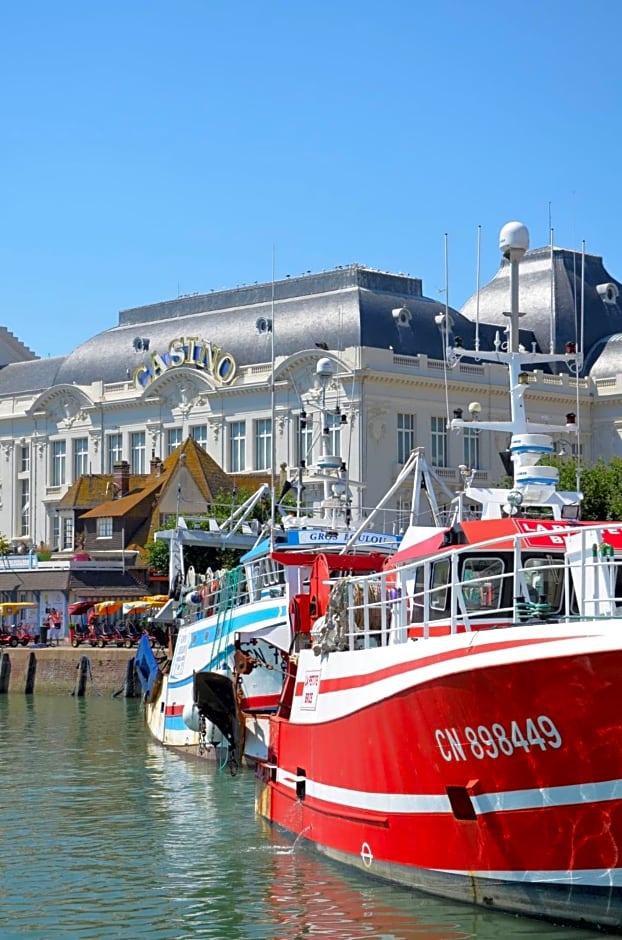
<point x="484" y="768"/>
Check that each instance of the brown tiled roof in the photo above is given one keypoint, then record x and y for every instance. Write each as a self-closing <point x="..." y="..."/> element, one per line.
<point x="92" y="492"/>
<point x="94" y="488"/>
<point x="251" y="481"/>
<point x="120" y="507"/>
<point x="207" y="474"/>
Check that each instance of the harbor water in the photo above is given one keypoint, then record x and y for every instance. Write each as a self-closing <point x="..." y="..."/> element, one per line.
<point x="106" y="836"/>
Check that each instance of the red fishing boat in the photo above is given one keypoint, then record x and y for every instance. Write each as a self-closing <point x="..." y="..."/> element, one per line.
<point x="455" y="724"/>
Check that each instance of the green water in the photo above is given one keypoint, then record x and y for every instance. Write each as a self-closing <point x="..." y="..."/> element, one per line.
<point x="105" y="835"/>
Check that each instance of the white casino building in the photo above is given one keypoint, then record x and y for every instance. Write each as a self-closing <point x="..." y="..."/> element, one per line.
<point x="201" y="365"/>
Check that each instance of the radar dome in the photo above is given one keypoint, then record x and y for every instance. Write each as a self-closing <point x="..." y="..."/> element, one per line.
<point x="514" y="236"/>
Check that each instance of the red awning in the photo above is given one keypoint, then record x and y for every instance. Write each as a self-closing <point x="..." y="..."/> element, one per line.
<point x="80" y="607"/>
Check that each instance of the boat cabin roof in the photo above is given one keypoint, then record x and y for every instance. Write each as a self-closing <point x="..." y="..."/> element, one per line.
<point x="547" y="534"/>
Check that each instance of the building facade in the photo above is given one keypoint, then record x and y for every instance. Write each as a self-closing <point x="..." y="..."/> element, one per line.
<point x="237" y="371"/>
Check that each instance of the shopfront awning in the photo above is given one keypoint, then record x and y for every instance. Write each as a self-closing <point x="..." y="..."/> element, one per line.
<point x="36" y="580"/>
<point x="105" y="585"/>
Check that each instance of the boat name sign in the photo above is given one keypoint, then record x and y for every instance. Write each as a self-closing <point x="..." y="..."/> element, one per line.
<point x="340" y="538"/>
<point x="495" y="741"/>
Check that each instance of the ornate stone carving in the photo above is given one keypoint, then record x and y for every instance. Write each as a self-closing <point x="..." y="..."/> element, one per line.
<point x="214" y="427"/>
<point x="376" y="422"/>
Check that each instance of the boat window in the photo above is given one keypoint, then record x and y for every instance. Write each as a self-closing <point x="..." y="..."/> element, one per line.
<point x="544" y="580"/>
<point x="482" y="583"/>
<point x="439" y="584"/>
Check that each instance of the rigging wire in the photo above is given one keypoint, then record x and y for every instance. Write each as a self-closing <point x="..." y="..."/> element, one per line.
<point x="579" y="340"/>
<point x="477" y="285"/>
<point x="444" y="339"/>
<point x="552" y="318"/>
<point x="272" y="413"/>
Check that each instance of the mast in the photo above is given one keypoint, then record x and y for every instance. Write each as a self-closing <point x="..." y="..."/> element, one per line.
<point x="533" y="484"/>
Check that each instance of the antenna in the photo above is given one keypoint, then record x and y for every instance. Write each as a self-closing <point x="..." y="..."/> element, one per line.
<point x="445" y="318"/>
<point x="272" y="411"/>
<point x="477" y="285"/>
<point x="552" y="321"/>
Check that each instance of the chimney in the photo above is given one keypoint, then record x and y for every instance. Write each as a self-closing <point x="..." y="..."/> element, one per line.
<point x="121" y="478"/>
<point x="154" y="465"/>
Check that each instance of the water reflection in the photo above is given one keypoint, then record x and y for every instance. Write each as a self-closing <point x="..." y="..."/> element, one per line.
<point x="108" y="837"/>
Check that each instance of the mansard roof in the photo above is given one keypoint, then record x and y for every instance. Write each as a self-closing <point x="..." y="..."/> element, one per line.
<point x="344" y="308"/>
<point x="605" y="360"/>
<point x="556" y="276"/>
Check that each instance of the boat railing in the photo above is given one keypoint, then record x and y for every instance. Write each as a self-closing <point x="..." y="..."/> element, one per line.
<point x="560" y="574"/>
<point x="224" y="590"/>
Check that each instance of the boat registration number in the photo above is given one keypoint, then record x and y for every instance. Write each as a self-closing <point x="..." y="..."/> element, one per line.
<point x="498" y="740"/>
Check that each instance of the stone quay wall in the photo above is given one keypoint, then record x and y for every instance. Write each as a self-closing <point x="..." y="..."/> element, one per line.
<point x="64" y="670"/>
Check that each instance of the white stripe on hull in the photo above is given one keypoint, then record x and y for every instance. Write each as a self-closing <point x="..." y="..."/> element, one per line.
<point x="350" y="667"/>
<point x="483" y="803"/>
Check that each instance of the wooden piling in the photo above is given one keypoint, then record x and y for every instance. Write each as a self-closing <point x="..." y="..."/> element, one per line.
<point x="31" y="672"/>
<point x="130" y="679"/>
<point x="83" y="668"/>
<point x="5" y="673"/>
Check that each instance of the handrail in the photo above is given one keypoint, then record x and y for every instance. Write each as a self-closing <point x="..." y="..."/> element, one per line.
<point x="380" y="605"/>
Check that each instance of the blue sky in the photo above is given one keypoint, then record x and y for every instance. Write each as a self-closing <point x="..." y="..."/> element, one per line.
<point x="151" y="148"/>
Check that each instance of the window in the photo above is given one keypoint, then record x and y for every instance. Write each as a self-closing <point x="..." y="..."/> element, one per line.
<point x="436" y="592"/>
<point x="114" y="451"/>
<point x="304" y="439"/>
<point x="439" y="584"/>
<point x="263" y="444"/>
<point x="403" y="505"/>
<point x="543" y="578"/>
<point x="333" y="425"/>
<point x="24" y="459"/>
<point x="80" y="457"/>
<point x="137" y="452"/>
<point x="59" y="458"/>
<point x="237" y="446"/>
<point x="405" y="436"/>
<point x="439" y="442"/>
<point x="56" y="532"/>
<point x="199" y="433"/>
<point x="471" y="448"/>
<point x="67" y="533"/>
<point x="482" y="583"/>
<point x="173" y="440"/>
<point x="24" y="507"/>
<point x="104" y="527"/>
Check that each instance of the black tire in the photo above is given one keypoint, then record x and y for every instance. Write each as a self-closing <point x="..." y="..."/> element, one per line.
<point x="13" y="641"/>
<point x="127" y="643"/>
<point x="24" y="641"/>
<point x="75" y="643"/>
<point x="100" y="644"/>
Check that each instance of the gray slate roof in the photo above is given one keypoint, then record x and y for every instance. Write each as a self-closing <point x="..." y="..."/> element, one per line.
<point x="347" y="307"/>
<point x="342" y="308"/>
<point x="603" y="307"/>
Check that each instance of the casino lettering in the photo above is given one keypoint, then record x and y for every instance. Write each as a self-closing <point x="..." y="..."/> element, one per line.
<point x="187" y="351"/>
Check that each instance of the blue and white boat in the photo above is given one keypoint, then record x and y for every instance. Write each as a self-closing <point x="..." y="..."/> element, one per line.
<point x="236" y="632"/>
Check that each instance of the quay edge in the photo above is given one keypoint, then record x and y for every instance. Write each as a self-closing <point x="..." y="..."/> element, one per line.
<point x="63" y="670"/>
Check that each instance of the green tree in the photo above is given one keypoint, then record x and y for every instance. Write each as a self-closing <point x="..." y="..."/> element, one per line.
<point x="601" y="485"/>
<point x="156" y="553"/>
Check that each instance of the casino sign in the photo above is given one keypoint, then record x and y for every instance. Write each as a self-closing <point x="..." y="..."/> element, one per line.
<point x="187" y="351"/>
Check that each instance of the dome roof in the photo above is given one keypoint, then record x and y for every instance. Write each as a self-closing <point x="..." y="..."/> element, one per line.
<point x="557" y="275"/>
<point x="605" y="360"/>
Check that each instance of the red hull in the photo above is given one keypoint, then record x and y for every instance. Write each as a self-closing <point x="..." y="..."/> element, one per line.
<point x="498" y="782"/>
